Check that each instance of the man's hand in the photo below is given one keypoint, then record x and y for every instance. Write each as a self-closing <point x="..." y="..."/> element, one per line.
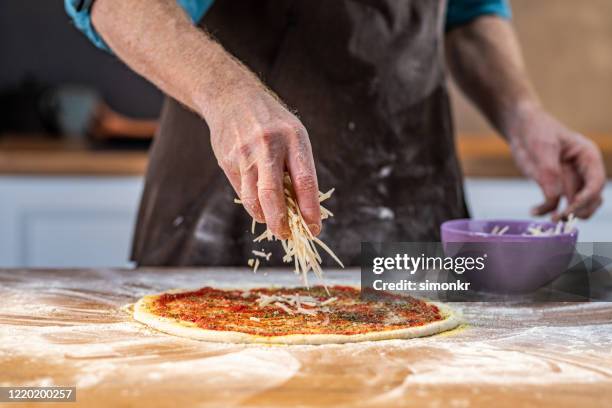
<point x="255" y="138"/>
<point x="486" y="61"/>
<point x="564" y="164"/>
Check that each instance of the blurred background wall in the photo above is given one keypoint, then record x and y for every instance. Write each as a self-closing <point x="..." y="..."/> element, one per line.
<point x="568" y="49"/>
<point x="37" y="40"/>
<point x="567" y="45"/>
<point x="72" y="201"/>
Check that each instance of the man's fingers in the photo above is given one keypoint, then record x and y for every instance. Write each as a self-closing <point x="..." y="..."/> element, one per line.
<point x="571" y="185"/>
<point x="272" y="197"/>
<point x="304" y="179"/>
<point x="546" y="207"/>
<point x="549" y="179"/>
<point x="234" y="178"/>
<point x="571" y="182"/>
<point x="591" y="172"/>
<point x="584" y="211"/>
<point x="585" y="203"/>
<point x="588" y="210"/>
<point x="249" y="194"/>
<point x="307" y="193"/>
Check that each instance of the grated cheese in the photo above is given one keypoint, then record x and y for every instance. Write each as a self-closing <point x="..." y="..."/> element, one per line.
<point x="570" y="224"/>
<point x="560" y="228"/>
<point x="499" y="231"/>
<point x="311" y="312"/>
<point x="300" y="248"/>
<point x="328" y="301"/>
<point x="268" y="255"/>
<point x="292" y="304"/>
<point x="261" y="254"/>
<point x="253" y="264"/>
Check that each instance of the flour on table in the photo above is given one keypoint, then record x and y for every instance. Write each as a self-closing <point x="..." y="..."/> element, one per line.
<point x="70" y="328"/>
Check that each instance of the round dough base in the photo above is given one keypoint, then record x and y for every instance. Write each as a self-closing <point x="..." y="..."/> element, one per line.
<point x="190" y="330"/>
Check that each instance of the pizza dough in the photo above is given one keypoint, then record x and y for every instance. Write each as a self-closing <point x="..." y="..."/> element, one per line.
<point x="290" y="316"/>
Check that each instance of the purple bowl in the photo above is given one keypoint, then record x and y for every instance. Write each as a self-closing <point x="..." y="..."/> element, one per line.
<point x="515" y="263"/>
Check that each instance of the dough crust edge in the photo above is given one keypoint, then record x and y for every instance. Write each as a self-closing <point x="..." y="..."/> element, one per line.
<point x="189" y="330"/>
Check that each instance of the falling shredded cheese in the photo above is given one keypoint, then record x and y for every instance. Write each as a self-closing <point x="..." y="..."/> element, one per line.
<point x="261" y="254"/>
<point x="256" y="266"/>
<point x="300" y="248"/>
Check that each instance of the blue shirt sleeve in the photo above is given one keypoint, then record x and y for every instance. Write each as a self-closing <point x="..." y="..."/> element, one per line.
<point x="80" y="13"/>
<point x="461" y="12"/>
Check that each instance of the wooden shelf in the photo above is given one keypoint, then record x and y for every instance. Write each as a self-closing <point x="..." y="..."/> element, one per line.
<point x="481" y="156"/>
<point x="44" y="156"/>
<point x="489" y="155"/>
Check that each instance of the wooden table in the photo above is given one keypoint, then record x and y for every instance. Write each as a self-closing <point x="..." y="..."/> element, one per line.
<point x="67" y="327"/>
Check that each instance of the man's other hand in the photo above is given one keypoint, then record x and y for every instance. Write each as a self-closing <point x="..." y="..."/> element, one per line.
<point x="564" y="164"/>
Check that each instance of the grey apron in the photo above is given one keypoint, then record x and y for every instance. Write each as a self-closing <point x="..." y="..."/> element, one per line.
<point x="367" y="79"/>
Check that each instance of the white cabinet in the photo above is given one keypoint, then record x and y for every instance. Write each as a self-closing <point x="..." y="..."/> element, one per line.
<point x="89" y="221"/>
<point x="67" y="221"/>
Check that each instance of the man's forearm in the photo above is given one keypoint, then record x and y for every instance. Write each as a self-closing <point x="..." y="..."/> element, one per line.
<point x="157" y="40"/>
<point x="485" y="60"/>
<point x="254" y="137"/>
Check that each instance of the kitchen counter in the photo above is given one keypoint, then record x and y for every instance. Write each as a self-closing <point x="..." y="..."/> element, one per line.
<point x="70" y="328"/>
<point x="45" y="156"/>
<point x="481" y="156"/>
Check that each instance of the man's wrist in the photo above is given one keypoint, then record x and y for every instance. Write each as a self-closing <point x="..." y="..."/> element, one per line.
<point x="514" y="117"/>
<point x="225" y="79"/>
